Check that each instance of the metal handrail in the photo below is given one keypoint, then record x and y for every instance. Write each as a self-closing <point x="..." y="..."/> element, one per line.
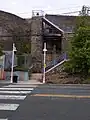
<point x="55" y="66"/>
<point x="56" y="61"/>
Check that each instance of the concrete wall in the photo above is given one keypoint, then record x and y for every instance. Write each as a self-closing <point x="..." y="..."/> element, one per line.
<point x="36" y="43"/>
<point x="22" y="76"/>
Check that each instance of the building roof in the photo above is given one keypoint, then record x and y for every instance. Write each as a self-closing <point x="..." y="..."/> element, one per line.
<point x="11" y="22"/>
<point x="66" y="23"/>
<point x="12" y="28"/>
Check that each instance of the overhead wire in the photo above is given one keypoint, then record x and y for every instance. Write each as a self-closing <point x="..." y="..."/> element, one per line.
<point x="51" y="10"/>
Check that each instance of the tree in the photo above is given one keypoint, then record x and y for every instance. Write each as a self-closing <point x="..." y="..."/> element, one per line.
<point x="79" y="54"/>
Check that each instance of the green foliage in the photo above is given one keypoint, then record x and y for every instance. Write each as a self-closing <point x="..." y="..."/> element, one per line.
<point x="79" y="54"/>
<point x="26" y="47"/>
<point x="20" y="69"/>
<point x="82" y="21"/>
<point x="20" y="60"/>
<point x="1" y="50"/>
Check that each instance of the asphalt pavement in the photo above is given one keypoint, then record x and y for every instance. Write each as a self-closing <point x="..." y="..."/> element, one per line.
<point x="12" y="97"/>
<point x="49" y="102"/>
<point x="51" y="108"/>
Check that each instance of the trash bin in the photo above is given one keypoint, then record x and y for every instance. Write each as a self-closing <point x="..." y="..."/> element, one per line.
<point x="15" y="79"/>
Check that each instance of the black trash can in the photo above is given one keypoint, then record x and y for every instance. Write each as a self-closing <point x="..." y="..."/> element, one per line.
<point x="15" y="79"/>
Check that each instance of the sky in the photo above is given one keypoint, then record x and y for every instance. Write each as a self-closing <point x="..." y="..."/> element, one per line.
<point x="23" y="8"/>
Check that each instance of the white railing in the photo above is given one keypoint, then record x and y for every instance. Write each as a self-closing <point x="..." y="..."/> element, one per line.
<point x="53" y="24"/>
<point x="56" y="66"/>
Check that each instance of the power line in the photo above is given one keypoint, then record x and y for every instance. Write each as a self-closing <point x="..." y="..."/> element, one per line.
<point x="64" y="8"/>
<point x="51" y="10"/>
<point x="71" y="12"/>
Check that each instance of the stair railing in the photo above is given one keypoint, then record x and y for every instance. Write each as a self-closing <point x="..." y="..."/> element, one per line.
<point x="53" y="64"/>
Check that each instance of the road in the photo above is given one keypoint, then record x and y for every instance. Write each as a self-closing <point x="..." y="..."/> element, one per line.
<point x="46" y="102"/>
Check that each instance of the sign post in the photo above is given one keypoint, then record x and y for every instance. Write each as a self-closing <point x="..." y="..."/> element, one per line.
<point x="44" y="66"/>
<point x="14" y="49"/>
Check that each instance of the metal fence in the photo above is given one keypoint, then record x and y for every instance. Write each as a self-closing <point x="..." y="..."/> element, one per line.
<point x="8" y="60"/>
<point x="24" y="61"/>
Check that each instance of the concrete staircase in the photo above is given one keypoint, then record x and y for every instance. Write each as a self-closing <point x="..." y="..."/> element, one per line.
<point x="56" y="65"/>
<point x="53" y="64"/>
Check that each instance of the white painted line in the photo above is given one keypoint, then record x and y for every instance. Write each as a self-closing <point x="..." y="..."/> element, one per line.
<point x="13" y="97"/>
<point x="22" y="86"/>
<point x="16" y="88"/>
<point x="16" y="92"/>
<point x="4" y="119"/>
<point x="8" y="106"/>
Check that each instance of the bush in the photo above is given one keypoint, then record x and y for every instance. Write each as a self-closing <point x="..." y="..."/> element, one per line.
<point x="79" y="53"/>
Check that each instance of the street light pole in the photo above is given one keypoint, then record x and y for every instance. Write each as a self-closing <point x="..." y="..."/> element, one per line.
<point x="14" y="49"/>
<point x="44" y="66"/>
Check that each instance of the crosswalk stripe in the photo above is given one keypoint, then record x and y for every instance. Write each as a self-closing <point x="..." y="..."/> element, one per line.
<point x="13" y="92"/>
<point x="16" y="92"/>
<point x="30" y="86"/>
<point x="13" y="97"/>
<point x="8" y="106"/>
<point x="16" y="88"/>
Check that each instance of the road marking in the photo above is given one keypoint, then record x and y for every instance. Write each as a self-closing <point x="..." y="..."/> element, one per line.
<point x="13" y="97"/>
<point x="61" y="95"/>
<point x="30" y="86"/>
<point x="8" y="106"/>
<point x="16" y="88"/>
<point x="16" y="92"/>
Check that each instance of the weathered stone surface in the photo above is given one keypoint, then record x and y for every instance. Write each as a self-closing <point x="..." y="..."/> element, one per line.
<point x="10" y="27"/>
<point x="36" y="44"/>
<point x="31" y="29"/>
<point x="62" y="78"/>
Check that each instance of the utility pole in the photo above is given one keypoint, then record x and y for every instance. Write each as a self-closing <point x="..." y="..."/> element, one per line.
<point x="85" y="11"/>
<point x="14" y="49"/>
<point x="44" y="65"/>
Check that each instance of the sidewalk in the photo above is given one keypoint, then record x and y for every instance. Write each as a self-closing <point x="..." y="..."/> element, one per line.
<point x="30" y="82"/>
<point x="22" y="82"/>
